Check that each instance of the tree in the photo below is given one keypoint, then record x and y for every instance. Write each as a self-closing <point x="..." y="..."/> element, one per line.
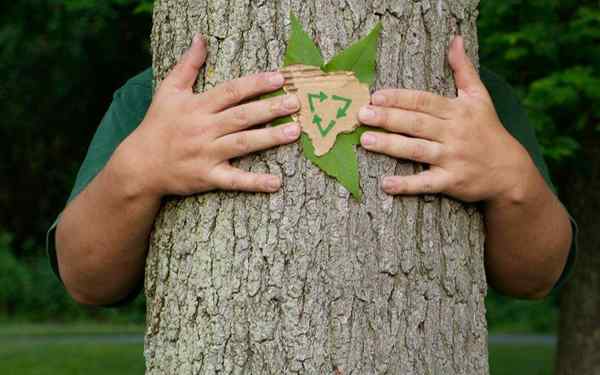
<point x="550" y="50"/>
<point x="579" y="331"/>
<point x="309" y="280"/>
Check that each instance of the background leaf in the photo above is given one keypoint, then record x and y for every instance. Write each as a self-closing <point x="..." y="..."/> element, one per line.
<point x="358" y="58"/>
<point x="301" y="49"/>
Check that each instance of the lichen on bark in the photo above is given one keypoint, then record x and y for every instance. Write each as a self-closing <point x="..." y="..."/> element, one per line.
<point x="308" y="280"/>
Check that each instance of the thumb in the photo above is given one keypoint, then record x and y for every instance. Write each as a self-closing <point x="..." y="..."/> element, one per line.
<point x="465" y="75"/>
<point x="184" y="74"/>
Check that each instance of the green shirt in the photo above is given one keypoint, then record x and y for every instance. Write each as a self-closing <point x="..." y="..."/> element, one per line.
<point x="131" y="102"/>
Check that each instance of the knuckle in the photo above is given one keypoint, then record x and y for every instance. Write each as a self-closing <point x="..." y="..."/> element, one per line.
<point x="232" y="92"/>
<point x="416" y="125"/>
<point x="418" y="151"/>
<point x="240" y="116"/>
<point x="275" y="106"/>
<point x="235" y="182"/>
<point x="242" y="144"/>
<point x="428" y="186"/>
<point x="421" y="101"/>
<point x="382" y="116"/>
<point x="458" y="183"/>
<point x="437" y="153"/>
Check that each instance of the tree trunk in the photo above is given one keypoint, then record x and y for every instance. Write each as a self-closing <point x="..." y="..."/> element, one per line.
<point x="308" y="280"/>
<point x="579" y="332"/>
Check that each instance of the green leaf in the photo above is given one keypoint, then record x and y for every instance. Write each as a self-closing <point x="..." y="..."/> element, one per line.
<point x="341" y="161"/>
<point x="359" y="57"/>
<point x="301" y="49"/>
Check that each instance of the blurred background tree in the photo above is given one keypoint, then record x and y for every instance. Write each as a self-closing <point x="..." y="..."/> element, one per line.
<point x="549" y="50"/>
<point x="61" y="60"/>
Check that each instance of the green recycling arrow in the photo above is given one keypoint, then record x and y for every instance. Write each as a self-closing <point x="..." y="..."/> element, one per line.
<point x="317" y="121"/>
<point x="342" y="110"/>
<point x="321" y="96"/>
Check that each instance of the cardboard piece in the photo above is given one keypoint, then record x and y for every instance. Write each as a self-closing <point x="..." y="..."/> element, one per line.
<point x="329" y="102"/>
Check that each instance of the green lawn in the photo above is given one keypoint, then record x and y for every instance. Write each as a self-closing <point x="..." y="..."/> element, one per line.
<point x="71" y="329"/>
<point x="70" y="359"/>
<point x="19" y="356"/>
<point x="521" y="359"/>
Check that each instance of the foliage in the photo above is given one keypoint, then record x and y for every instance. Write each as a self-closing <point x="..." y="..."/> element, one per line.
<point x="14" y="279"/>
<point x="341" y="161"/>
<point x="550" y="51"/>
<point x="61" y="62"/>
<point x="507" y="315"/>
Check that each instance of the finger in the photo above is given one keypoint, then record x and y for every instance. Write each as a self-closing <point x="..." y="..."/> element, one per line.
<point x="184" y="74"/>
<point x="401" y="147"/>
<point x="230" y="93"/>
<point x="413" y="100"/>
<point x="465" y="75"/>
<point x="230" y="178"/>
<point x="416" y="124"/>
<point x="243" y="143"/>
<point x="426" y="182"/>
<point x="254" y="113"/>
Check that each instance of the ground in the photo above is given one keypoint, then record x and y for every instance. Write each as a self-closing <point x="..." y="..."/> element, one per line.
<point x="94" y="349"/>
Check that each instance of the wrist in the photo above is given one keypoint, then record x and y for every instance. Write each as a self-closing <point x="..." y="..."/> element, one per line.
<point x="520" y="184"/>
<point x="132" y="171"/>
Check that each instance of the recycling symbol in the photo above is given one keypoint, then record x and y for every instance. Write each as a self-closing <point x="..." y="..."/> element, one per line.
<point x="318" y="120"/>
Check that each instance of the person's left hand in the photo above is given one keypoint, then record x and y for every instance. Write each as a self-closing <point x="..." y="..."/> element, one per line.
<point x="471" y="156"/>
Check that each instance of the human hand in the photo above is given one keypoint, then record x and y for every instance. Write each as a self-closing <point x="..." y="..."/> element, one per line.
<point x="185" y="142"/>
<point x="471" y="156"/>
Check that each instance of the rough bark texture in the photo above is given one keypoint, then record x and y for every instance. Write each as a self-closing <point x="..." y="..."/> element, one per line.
<point x="308" y="280"/>
<point x="579" y="335"/>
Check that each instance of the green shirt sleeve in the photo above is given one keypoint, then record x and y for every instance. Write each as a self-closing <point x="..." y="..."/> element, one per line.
<point x="127" y="110"/>
<point x="514" y="118"/>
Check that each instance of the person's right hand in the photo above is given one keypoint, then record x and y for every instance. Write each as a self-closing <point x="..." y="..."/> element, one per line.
<point x="184" y="144"/>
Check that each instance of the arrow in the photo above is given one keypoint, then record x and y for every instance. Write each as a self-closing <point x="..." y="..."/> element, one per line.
<point x="317" y="121"/>
<point x="342" y="110"/>
<point x="321" y="96"/>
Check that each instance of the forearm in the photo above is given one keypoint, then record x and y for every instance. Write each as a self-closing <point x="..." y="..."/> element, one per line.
<point x="528" y="239"/>
<point x="102" y="236"/>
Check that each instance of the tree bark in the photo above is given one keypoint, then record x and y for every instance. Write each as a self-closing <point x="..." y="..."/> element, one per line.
<point x="579" y="331"/>
<point x="308" y="280"/>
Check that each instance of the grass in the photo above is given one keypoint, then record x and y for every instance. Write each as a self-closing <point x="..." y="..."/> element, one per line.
<point x="521" y="359"/>
<point x="71" y="329"/>
<point x="71" y="359"/>
<point x="19" y="356"/>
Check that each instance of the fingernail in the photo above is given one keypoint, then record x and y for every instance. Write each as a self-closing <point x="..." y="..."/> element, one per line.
<point x="367" y="139"/>
<point x="273" y="183"/>
<point x="291" y="102"/>
<point x="291" y="131"/>
<point x="386" y="183"/>
<point x="378" y="99"/>
<point x="459" y="41"/>
<point x="276" y="79"/>
<point x="197" y="38"/>
<point x="366" y="113"/>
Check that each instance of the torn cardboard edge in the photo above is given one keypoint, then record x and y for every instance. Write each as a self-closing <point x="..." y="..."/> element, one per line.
<point x="329" y="103"/>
